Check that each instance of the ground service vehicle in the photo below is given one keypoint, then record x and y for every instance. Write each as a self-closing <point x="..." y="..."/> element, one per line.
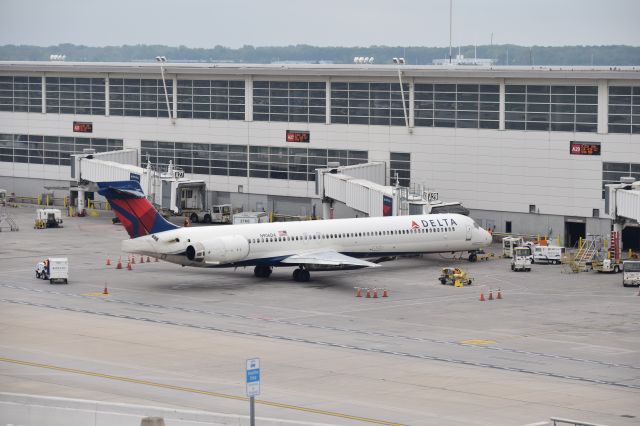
<point x="455" y="276"/>
<point x="509" y="244"/>
<point x="216" y="214"/>
<point x="547" y="254"/>
<point x="54" y="269"/>
<point x="48" y="218"/>
<point x="608" y="266"/>
<point x="521" y="260"/>
<point x="631" y="272"/>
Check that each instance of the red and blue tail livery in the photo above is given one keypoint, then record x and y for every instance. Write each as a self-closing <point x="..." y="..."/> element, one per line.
<point x="130" y="205"/>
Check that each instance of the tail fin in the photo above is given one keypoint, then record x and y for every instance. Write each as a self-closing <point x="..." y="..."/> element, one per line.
<point x="130" y="205"/>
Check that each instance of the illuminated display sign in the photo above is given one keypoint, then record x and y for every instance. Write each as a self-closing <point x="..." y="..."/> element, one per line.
<point x="584" y="148"/>
<point x="298" y="136"/>
<point x="82" y="127"/>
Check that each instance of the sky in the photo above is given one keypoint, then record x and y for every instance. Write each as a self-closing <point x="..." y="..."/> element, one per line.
<point x="234" y="23"/>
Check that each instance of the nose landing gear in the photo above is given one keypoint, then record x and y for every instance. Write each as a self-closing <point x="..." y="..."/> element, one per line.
<point x="301" y="275"/>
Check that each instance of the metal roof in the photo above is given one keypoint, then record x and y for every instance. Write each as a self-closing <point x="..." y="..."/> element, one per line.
<point x="324" y="70"/>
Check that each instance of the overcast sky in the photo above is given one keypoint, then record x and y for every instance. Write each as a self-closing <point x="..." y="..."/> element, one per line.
<point x="233" y="23"/>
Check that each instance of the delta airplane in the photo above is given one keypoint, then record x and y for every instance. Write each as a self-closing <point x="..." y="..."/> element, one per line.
<point x="336" y="244"/>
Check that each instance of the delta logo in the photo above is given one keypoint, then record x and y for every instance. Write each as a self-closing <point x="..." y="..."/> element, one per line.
<point x="433" y="223"/>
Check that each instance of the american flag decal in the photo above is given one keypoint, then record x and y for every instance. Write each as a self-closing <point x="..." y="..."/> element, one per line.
<point x="282" y="233"/>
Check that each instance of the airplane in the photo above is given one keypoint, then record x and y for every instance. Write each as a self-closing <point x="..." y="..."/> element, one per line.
<point x="336" y="244"/>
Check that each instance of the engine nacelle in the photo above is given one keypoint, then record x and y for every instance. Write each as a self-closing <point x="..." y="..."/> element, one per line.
<point x="228" y="249"/>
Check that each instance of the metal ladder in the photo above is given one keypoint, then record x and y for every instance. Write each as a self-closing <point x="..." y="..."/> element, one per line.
<point x="591" y="247"/>
<point x="6" y="221"/>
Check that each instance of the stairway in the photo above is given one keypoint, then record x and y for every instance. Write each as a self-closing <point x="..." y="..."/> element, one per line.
<point x="6" y="221"/>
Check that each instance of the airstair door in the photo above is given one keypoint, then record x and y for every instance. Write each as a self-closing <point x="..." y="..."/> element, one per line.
<point x="468" y="238"/>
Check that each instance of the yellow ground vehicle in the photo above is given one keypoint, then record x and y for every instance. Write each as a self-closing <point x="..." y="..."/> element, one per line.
<point x="455" y="276"/>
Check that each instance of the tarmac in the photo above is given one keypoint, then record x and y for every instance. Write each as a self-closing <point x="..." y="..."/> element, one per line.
<point x="556" y="345"/>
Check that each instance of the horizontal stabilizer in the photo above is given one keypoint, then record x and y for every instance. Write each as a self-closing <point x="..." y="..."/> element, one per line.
<point x="328" y="258"/>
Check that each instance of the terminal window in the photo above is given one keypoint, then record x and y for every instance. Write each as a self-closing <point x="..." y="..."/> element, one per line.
<point x="69" y="95"/>
<point x="368" y="103"/>
<point x="473" y="106"/>
<point x="211" y="99"/>
<point x="266" y="162"/>
<point x="289" y="101"/>
<point x="551" y="108"/>
<point x="400" y="168"/>
<point x="51" y="150"/>
<point x="20" y="94"/>
<point x="612" y="172"/>
<point x="139" y="97"/>
<point x="624" y="109"/>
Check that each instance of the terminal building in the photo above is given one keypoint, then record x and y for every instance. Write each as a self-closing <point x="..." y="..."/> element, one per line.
<point x="527" y="150"/>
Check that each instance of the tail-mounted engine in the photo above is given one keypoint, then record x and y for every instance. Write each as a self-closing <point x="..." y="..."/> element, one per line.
<point x="229" y="249"/>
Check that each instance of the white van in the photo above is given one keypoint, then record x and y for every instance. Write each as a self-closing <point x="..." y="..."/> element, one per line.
<point x="548" y="254"/>
<point x="631" y="272"/>
<point x="54" y="269"/>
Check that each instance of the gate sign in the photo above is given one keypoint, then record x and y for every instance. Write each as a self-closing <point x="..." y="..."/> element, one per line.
<point x="253" y="377"/>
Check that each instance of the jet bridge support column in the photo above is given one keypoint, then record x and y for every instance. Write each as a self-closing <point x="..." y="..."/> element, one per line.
<point x="80" y="201"/>
<point x="327" y="211"/>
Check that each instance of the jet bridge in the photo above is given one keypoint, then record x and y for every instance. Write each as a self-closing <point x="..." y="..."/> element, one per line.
<point x="168" y="190"/>
<point x="363" y="188"/>
<point x="622" y="203"/>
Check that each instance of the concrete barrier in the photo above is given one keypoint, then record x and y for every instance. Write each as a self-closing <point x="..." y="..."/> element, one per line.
<point x="34" y="410"/>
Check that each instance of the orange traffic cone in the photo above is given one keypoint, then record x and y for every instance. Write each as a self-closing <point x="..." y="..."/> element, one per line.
<point x="141" y="259"/>
<point x="129" y="266"/>
<point x="375" y="293"/>
<point x="490" y="294"/>
<point x="119" y="266"/>
<point x="499" y="295"/>
<point x="358" y="291"/>
<point x="108" y="262"/>
<point x="385" y="293"/>
<point x="368" y="293"/>
<point x="481" y="296"/>
<point x="105" y="291"/>
<point x="133" y="260"/>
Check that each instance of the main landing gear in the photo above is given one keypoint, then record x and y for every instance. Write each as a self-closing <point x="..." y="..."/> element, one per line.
<point x="262" y="271"/>
<point x="301" y="275"/>
<point x="473" y="257"/>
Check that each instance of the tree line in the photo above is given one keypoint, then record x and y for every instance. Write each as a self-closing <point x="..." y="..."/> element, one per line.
<point x="616" y="55"/>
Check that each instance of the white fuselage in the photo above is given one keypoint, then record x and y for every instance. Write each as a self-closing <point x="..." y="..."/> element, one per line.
<point x="267" y="243"/>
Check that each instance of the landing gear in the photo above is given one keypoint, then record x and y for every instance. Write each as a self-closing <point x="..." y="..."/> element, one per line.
<point x="262" y="271"/>
<point x="301" y="275"/>
<point x="473" y="257"/>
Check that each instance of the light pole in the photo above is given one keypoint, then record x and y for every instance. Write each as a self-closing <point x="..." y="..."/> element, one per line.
<point x="161" y="60"/>
<point x="398" y="62"/>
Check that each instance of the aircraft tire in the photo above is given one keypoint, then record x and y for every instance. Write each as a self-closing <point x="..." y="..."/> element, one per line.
<point x="262" y="271"/>
<point x="305" y="276"/>
<point x="296" y="275"/>
<point x="473" y="257"/>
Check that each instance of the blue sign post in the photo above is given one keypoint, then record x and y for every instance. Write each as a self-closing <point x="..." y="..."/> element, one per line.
<point x="253" y="386"/>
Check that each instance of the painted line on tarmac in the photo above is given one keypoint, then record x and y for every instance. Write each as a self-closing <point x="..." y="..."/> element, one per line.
<point x="323" y="343"/>
<point x="198" y="391"/>
<point x="340" y="329"/>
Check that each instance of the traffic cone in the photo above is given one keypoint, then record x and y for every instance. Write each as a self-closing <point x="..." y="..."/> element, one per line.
<point x="490" y="294"/>
<point x="385" y="293"/>
<point x="108" y="262"/>
<point x="129" y="266"/>
<point x="133" y="260"/>
<point x="105" y="291"/>
<point x="375" y="293"/>
<point x="358" y="291"/>
<point x="368" y="293"/>
<point x="141" y="259"/>
<point x="499" y="295"/>
<point x="119" y="266"/>
<point x="481" y="296"/>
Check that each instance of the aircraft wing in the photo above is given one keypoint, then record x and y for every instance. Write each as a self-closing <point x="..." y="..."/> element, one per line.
<point x="328" y="258"/>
